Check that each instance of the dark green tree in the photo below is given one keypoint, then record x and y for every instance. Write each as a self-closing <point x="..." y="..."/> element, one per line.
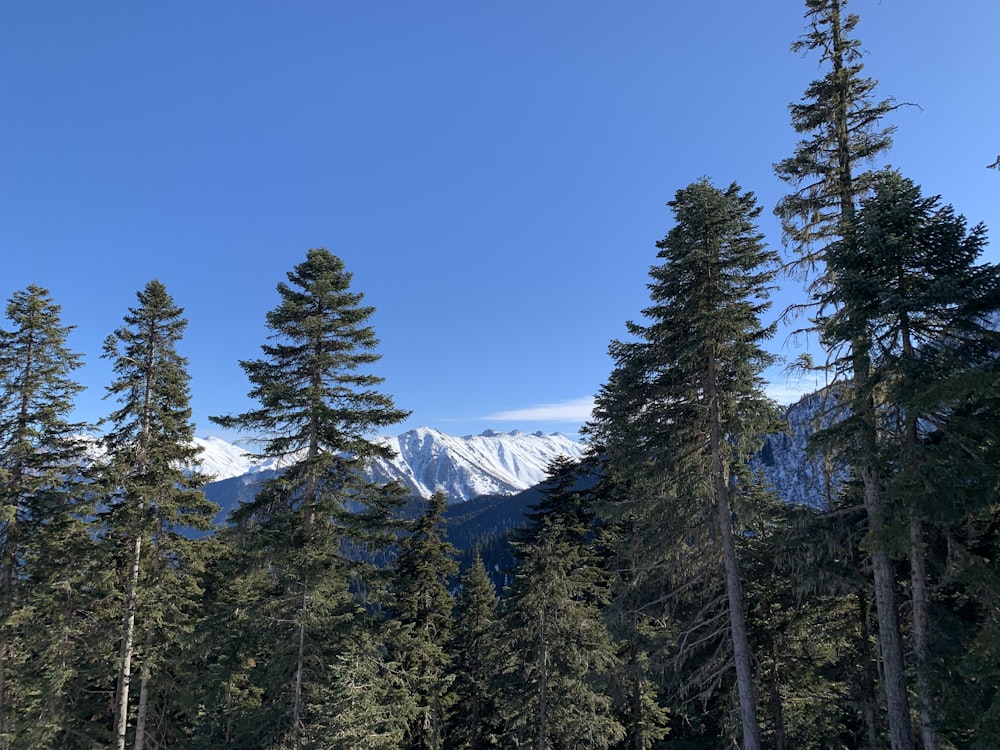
<point x="686" y="397"/>
<point x="422" y="608"/>
<point x="44" y="540"/>
<point x="475" y="662"/>
<point x="843" y="125"/>
<point x="309" y="535"/>
<point x="152" y="497"/>
<point x="907" y="283"/>
<point x="556" y="686"/>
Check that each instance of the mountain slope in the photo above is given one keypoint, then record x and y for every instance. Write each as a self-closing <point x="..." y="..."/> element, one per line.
<point x="493" y="463"/>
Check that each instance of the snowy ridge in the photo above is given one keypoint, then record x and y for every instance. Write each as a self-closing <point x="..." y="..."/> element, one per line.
<point x="426" y="460"/>
<point x="493" y="463"/>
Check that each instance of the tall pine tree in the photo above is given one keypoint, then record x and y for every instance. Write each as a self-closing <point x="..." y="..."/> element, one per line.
<point x="686" y="399"/>
<point x="844" y="132"/>
<point x="44" y="540"/>
<point x="308" y="533"/>
<point x="908" y="284"/>
<point x="152" y="498"/>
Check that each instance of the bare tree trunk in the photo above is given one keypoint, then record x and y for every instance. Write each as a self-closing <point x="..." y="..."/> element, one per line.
<point x="128" y="643"/>
<point x="889" y="639"/>
<point x="921" y="633"/>
<point x="140" y="716"/>
<point x="639" y="725"/>
<point x="734" y="587"/>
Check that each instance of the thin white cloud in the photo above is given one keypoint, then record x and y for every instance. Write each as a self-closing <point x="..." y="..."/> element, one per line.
<point x="574" y="410"/>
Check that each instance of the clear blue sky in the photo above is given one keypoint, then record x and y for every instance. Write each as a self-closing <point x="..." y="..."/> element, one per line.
<point x="494" y="174"/>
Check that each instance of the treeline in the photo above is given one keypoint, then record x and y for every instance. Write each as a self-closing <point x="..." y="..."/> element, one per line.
<point x="673" y="603"/>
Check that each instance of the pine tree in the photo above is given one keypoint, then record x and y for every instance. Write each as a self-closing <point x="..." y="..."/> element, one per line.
<point x="152" y="499"/>
<point x="908" y="285"/>
<point x="842" y="125"/>
<point x="686" y="397"/>
<point x="43" y="535"/>
<point x="561" y="656"/>
<point x="422" y="607"/>
<point x="307" y="533"/>
<point x="845" y="132"/>
<point x="474" y="662"/>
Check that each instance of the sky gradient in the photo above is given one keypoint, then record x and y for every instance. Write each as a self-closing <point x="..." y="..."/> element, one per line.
<point x="494" y="175"/>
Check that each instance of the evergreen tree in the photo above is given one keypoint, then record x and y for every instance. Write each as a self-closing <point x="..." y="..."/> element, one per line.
<point x="686" y="399"/>
<point x="474" y="662"/>
<point x="422" y="606"/>
<point x="306" y="535"/>
<point x="44" y="542"/>
<point x="907" y="284"/>
<point x="152" y="497"/>
<point x="843" y="124"/>
<point x="561" y="656"/>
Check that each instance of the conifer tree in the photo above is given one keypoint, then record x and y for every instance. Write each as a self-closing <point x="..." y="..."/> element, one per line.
<point x="308" y="531"/>
<point x="907" y="283"/>
<point x="686" y="398"/>
<point x="556" y="683"/>
<point x="844" y="132"/>
<point x="43" y="535"/>
<point x="475" y="663"/>
<point x="422" y="607"/>
<point x="152" y="497"/>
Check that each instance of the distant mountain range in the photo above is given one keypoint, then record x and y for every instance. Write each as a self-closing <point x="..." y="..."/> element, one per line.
<point x="493" y="463"/>
<point x="492" y="479"/>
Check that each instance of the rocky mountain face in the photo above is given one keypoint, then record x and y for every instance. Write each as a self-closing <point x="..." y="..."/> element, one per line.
<point x="797" y="474"/>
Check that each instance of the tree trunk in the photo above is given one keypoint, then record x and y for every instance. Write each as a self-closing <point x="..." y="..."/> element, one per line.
<point x="140" y="716"/>
<point x="921" y="633"/>
<point x="734" y="587"/>
<point x="128" y="643"/>
<point x="869" y="707"/>
<point x="638" y="723"/>
<point x="889" y="639"/>
<point x="300" y="671"/>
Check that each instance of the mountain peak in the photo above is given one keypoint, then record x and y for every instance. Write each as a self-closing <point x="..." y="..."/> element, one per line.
<point x="427" y="460"/>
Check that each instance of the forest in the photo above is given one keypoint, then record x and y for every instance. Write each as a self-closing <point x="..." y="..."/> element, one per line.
<point x="661" y="595"/>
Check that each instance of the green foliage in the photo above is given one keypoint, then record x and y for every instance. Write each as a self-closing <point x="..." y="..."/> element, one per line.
<point x="422" y="607"/>
<point x="306" y="542"/>
<point x="843" y="130"/>
<point x="912" y="298"/>
<point x="475" y="662"/>
<point x="47" y="562"/>
<point x="152" y="502"/>
<point x="556" y="682"/>
<point x="680" y="415"/>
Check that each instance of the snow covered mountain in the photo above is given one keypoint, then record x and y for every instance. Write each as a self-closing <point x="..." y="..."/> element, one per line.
<point x="493" y="463"/>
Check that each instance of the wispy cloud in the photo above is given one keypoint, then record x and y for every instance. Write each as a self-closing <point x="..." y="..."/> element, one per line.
<point x="574" y="410"/>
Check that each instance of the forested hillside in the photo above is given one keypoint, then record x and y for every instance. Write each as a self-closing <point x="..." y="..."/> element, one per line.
<point x="656" y="593"/>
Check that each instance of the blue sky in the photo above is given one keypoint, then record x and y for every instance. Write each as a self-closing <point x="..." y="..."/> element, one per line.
<point x="493" y="174"/>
